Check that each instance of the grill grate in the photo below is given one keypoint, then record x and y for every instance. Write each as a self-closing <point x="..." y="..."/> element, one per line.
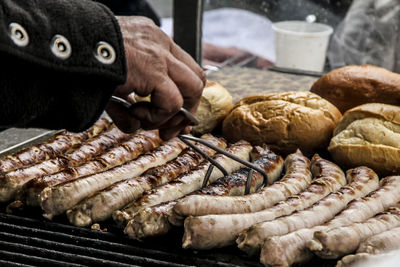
<point x="35" y="242"/>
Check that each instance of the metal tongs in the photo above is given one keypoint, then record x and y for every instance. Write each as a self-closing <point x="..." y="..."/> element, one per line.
<point x="187" y="138"/>
<point x="253" y="167"/>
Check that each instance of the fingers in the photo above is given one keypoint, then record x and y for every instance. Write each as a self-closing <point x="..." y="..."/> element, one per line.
<point x="156" y="66"/>
<point x="189" y="84"/>
<point x="181" y="87"/>
<point x="122" y="117"/>
<point x="176" y="125"/>
<point x="166" y="100"/>
<point x="185" y="58"/>
<point x="169" y="132"/>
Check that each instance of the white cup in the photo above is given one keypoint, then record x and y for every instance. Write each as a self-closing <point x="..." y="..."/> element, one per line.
<point x="301" y="45"/>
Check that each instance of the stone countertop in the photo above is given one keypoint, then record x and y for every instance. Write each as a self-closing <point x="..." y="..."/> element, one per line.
<point x="243" y="82"/>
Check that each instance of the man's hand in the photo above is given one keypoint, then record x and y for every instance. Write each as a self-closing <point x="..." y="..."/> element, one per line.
<point x="160" y="68"/>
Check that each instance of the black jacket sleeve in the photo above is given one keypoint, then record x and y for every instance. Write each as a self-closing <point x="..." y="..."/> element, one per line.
<point x="60" y="62"/>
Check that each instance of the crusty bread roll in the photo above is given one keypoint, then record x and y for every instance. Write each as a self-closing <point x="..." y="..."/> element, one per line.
<point x="352" y="86"/>
<point x="284" y="121"/>
<point x="368" y="135"/>
<point x="215" y="104"/>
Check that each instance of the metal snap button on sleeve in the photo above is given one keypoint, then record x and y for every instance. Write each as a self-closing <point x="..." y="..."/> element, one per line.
<point x="60" y="47"/>
<point x="18" y="34"/>
<point x="105" y="53"/>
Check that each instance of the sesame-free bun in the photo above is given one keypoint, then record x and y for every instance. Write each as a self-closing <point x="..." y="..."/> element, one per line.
<point x="351" y="86"/>
<point x="215" y="104"/>
<point x="284" y="121"/>
<point x="368" y="135"/>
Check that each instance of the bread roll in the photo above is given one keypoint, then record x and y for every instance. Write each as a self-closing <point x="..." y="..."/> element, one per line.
<point x="368" y="135"/>
<point x="352" y="86"/>
<point x="284" y="121"/>
<point x="215" y="104"/>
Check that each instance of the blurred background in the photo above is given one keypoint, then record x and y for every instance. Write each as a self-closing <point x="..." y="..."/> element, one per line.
<point x="364" y="31"/>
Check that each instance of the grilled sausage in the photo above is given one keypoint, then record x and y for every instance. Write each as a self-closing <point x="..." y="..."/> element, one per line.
<point x="364" y="180"/>
<point x="52" y="148"/>
<point x="381" y="243"/>
<point x="370" y="260"/>
<point x="136" y="145"/>
<point x="153" y="221"/>
<point x="289" y="249"/>
<point x="185" y="184"/>
<point x="13" y="181"/>
<point x="95" y="146"/>
<point x="252" y="239"/>
<point x="330" y="177"/>
<point x="57" y="199"/>
<point x="340" y="241"/>
<point x="150" y="221"/>
<point x="100" y="206"/>
<point x="296" y="179"/>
